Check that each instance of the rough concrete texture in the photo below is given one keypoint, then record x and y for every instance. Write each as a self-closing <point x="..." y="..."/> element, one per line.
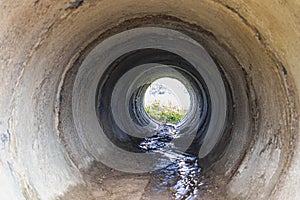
<point x="40" y="40"/>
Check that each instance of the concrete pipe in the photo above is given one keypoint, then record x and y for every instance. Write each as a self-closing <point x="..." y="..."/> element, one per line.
<point x="74" y="74"/>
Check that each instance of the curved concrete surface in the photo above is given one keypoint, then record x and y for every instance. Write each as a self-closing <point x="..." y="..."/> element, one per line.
<point x="55" y="102"/>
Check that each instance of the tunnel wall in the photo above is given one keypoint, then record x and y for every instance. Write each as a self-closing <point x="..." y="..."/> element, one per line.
<point x="39" y="40"/>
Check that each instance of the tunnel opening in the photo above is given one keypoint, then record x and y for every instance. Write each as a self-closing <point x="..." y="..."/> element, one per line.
<point x="166" y="100"/>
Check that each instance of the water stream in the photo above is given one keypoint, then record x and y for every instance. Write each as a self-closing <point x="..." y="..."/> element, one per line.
<point x="183" y="176"/>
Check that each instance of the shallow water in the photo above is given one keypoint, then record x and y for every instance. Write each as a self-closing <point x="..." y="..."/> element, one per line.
<point x="183" y="176"/>
<point x="180" y="179"/>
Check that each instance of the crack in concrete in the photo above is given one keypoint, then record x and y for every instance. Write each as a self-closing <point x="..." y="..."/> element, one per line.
<point x="258" y="34"/>
<point x="76" y="4"/>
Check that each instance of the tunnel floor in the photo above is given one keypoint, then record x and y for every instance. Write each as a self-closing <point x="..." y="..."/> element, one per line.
<point x="181" y="179"/>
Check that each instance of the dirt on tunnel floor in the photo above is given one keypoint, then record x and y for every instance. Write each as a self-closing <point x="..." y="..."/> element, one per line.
<point x="103" y="183"/>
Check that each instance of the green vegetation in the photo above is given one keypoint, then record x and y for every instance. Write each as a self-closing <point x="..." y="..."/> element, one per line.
<point x="165" y="114"/>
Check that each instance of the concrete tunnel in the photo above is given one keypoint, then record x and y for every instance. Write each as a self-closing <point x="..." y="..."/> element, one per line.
<point x="73" y="73"/>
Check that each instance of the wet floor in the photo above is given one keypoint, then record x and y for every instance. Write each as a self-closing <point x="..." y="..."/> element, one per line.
<point x="182" y="178"/>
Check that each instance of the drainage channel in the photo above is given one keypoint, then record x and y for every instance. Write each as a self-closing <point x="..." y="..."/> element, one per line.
<point x="72" y="86"/>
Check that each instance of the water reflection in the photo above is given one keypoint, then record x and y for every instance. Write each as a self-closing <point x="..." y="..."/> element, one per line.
<point x="183" y="175"/>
